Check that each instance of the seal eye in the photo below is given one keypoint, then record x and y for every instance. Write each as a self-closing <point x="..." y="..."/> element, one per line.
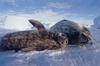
<point x="62" y="35"/>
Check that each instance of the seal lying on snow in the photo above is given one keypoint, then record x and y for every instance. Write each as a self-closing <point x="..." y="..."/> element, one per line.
<point x="33" y="40"/>
<point x="78" y="35"/>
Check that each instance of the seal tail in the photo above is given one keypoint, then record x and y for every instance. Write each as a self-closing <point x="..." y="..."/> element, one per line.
<point x="42" y="30"/>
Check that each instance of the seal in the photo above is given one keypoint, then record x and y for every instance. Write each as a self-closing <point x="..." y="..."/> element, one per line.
<point x="78" y="35"/>
<point x="33" y="40"/>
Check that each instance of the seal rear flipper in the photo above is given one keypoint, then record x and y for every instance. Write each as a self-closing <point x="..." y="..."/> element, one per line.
<point x="41" y="29"/>
<point x="37" y="24"/>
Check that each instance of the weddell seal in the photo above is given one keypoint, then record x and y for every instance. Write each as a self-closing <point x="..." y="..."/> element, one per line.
<point x="78" y="35"/>
<point x="33" y="40"/>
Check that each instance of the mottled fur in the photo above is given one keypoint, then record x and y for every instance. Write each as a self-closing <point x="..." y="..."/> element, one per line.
<point x="33" y="40"/>
<point x="78" y="35"/>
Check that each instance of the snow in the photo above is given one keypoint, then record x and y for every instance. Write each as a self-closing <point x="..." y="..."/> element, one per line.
<point x="97" y="22"/>
<point x="18" y="23"/>
<point x="71" y="56"/>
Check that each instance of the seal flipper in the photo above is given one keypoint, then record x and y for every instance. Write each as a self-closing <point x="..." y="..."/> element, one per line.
<point x="39" y="26"/>
<point x="27" y="49"/>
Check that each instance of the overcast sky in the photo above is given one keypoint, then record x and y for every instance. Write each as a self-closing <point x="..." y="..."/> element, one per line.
<point x="82" y="11"/>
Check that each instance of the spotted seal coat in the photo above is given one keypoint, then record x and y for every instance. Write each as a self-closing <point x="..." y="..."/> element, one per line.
<point x="78" y="35"/>
<point x="33" y="40"/>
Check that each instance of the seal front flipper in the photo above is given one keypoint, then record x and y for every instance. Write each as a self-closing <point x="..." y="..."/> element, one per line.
<point x="27" y="49"/>
<point x="41" y="48"/>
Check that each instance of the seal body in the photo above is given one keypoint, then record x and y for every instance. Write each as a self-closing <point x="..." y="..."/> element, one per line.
<point x="33" y="40"/>
<point x="76" y="34"/>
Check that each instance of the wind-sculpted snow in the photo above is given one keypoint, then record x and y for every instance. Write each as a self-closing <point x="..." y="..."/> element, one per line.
<point x="97" y="22"/>
<point x="68" y="57"/>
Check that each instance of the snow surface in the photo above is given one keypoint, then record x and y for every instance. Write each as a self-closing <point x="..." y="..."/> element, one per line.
<point x="18" y="23"/>
<point x="71" y="56"/>
<point x="97" y="22"/>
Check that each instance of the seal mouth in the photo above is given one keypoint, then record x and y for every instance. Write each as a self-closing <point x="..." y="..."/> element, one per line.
<point x="63" y="40"/>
